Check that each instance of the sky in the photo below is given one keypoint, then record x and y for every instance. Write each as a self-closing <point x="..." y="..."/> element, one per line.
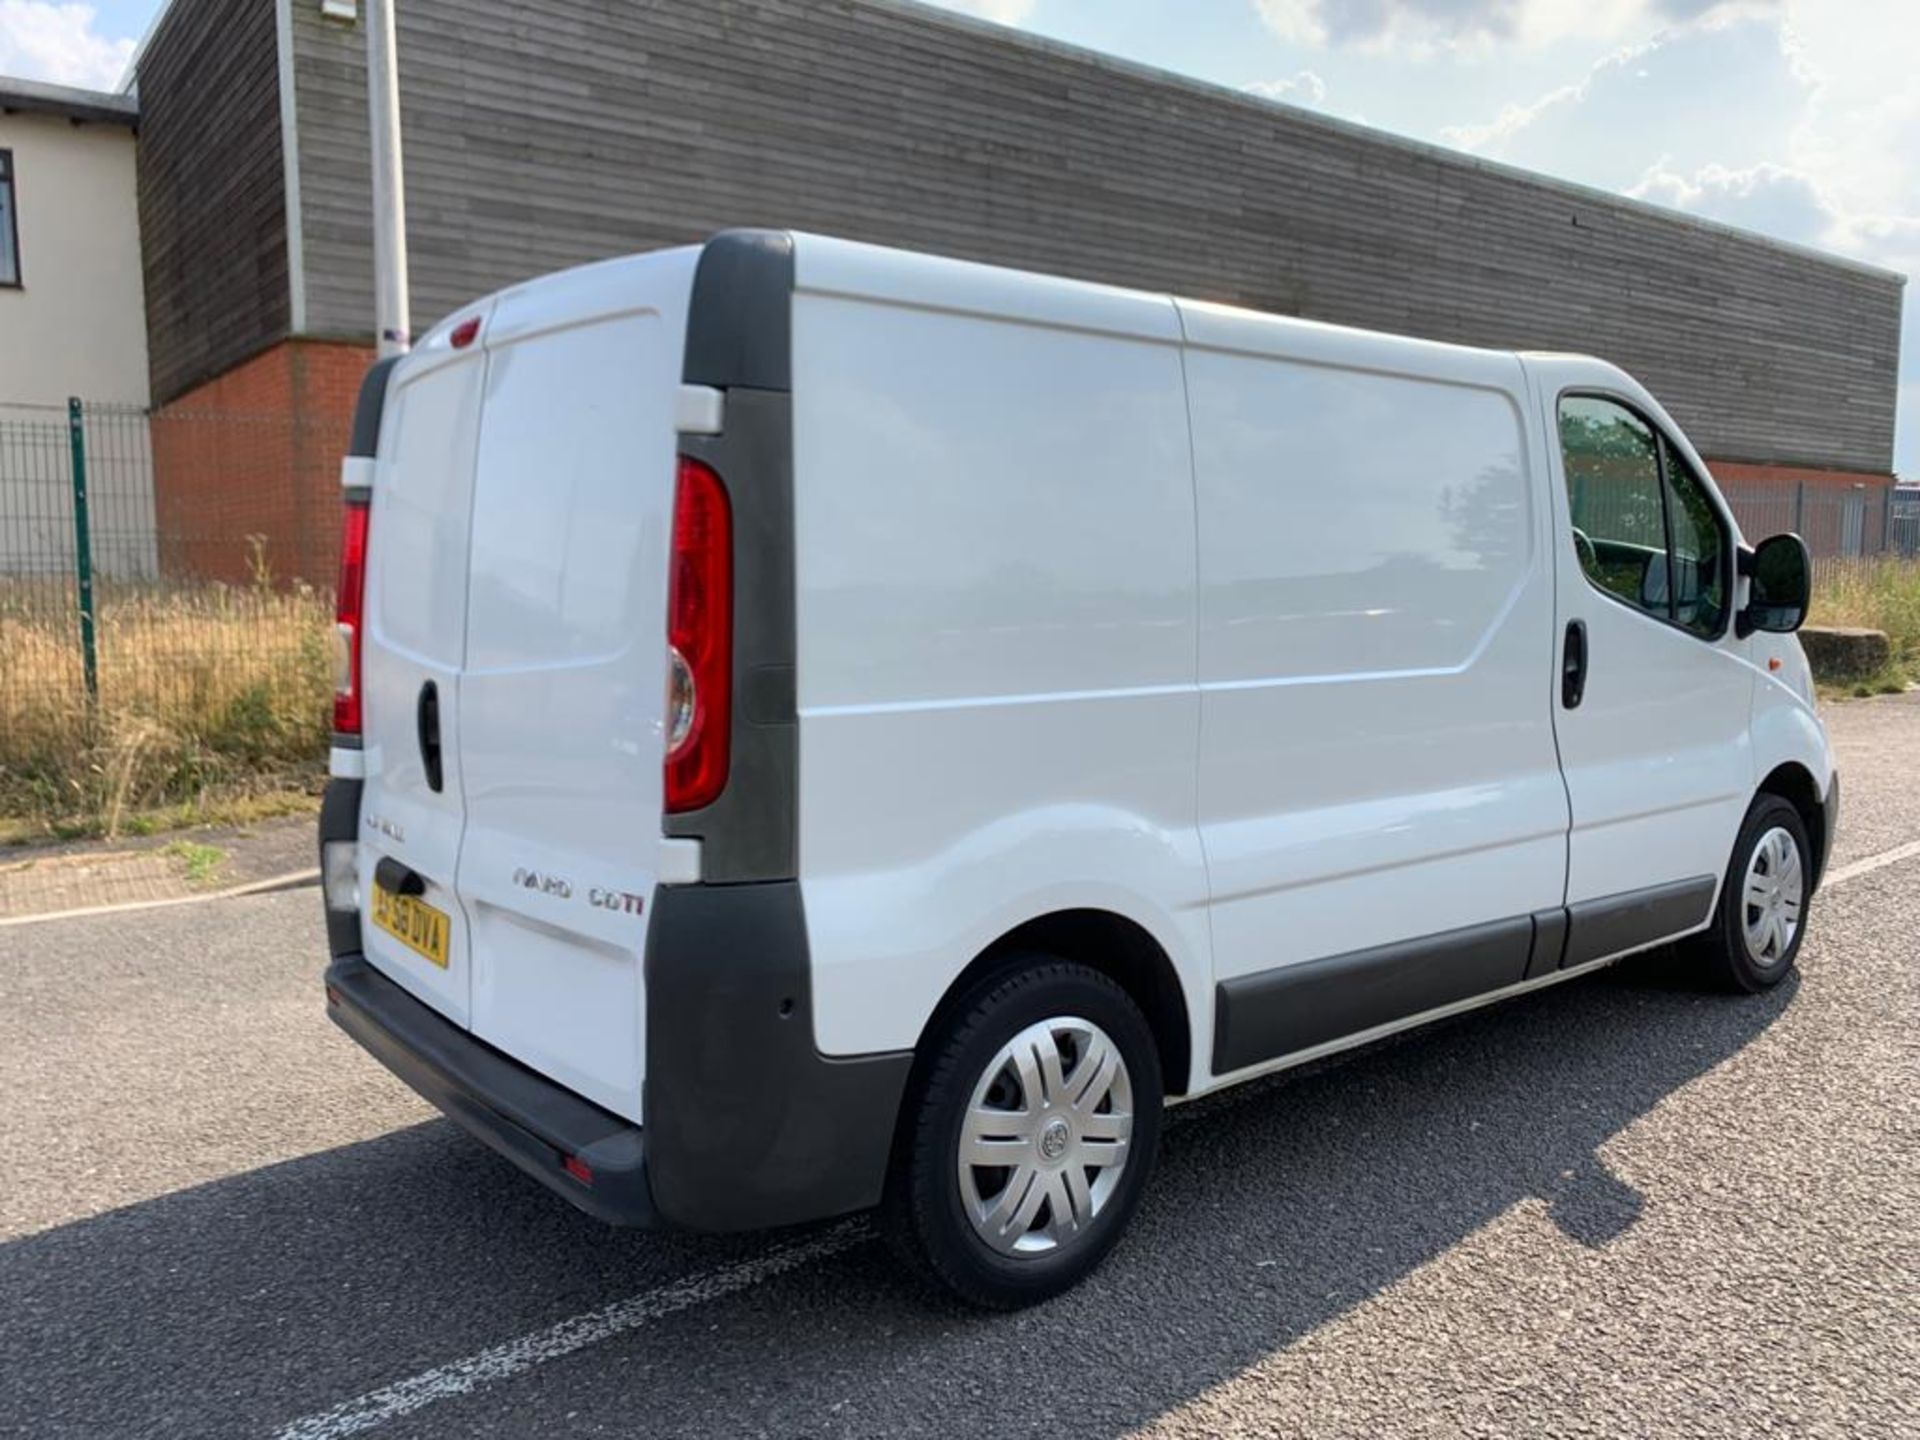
<point x="1799" y="119"/>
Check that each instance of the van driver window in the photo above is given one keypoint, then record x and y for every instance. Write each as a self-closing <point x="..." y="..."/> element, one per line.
<point x="1614" y="491"/>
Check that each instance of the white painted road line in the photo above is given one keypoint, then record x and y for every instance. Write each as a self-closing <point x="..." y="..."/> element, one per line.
<point x="506" y="1360"/>
<point x="1871" y="863"/>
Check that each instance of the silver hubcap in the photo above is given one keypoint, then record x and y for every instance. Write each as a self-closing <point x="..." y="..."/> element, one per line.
<point x="1771" y="899"/>
<point x="1046" y="1136"/>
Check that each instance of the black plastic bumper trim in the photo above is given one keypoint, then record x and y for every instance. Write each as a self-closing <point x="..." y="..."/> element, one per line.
<point x="748" y="1125"/>
<point x="370" y="407"/>
<point x="527" y="1118"/>
<point x="340" y="821"/>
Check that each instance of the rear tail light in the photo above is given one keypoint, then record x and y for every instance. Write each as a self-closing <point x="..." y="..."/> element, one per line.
<point x="349" y="603"/>
<point x="699" y="640"/>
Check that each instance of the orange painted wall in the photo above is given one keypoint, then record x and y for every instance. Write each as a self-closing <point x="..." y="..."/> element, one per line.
<point x="247" y="466"/>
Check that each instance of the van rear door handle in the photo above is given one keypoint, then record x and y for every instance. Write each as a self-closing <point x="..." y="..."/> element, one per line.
<point x="1573" y="665"/>
<point x="399" y="879"/>
<point x="427" y="717"/>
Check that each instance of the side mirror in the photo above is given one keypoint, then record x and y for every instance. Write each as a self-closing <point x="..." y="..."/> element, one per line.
<point x="1782" y="575"/>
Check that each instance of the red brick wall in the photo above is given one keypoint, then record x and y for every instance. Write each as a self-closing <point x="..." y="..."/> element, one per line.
<point x="1837" y="512"/>
<point x="247" y="466"/>
<point x="1730" y="474"/>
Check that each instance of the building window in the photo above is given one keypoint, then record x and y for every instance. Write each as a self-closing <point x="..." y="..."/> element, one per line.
<point x="9" y="224"/>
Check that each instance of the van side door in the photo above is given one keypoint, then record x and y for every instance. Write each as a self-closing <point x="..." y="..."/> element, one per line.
<point x="1652" y="697"/>
<point x="1380" y="801"/>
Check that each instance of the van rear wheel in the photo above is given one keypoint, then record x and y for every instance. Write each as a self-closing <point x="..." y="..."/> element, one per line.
<point x="1756" y="932"/>
<point x="1031" y="1133"/>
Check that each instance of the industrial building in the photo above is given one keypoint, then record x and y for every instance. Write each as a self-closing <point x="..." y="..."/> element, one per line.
<point x="543" y="133"/>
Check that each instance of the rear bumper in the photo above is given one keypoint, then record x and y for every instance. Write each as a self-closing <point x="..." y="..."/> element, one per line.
<point x="527" y="1118"/>
<point x="747" y="1125"/>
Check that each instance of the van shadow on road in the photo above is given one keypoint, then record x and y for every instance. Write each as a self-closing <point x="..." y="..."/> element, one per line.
<point x="236" y="1306"/>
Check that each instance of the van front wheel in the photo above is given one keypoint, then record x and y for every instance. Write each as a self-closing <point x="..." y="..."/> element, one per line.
<point x="1756" y="933"/>
<point x="1033" y="1129"/>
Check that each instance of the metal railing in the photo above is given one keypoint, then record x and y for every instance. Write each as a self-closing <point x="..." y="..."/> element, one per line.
<point x="1837" y="522"/>
<point x="165" y="602"/>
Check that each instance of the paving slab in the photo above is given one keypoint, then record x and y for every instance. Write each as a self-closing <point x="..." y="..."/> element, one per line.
<point x="77" y="875"/>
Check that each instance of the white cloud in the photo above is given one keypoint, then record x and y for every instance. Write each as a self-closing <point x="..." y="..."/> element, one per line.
<point x="1768" y="198"/>
<point x="59" y="43"/>
<point x="1798" y="122"/>
<point x="1003" y="12"/>
<point x="1720" y="91"/>
<point x="1423" y="28"/>
<point x="1303" y="87"/>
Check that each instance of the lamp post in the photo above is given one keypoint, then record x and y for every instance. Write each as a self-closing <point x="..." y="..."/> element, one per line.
<point x="393" y="323"/>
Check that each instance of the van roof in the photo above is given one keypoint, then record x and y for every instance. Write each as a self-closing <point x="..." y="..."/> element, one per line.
<point x="855" y="269"/>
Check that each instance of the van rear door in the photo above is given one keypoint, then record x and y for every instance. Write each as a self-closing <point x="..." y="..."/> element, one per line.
<point x="411" y="657"/>
<point x="561" y="704"/>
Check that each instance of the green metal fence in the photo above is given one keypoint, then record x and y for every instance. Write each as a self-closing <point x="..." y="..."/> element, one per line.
<point x="165" y="605"/>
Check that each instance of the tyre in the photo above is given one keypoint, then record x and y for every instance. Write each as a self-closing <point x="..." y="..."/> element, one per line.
<point x="1756" y="931"/>
<point x="1028" y="1136"/>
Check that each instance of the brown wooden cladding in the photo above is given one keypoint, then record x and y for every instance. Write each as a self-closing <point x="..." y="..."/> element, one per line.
<point x="213" y="231"/>
<point x="542" y="133"/>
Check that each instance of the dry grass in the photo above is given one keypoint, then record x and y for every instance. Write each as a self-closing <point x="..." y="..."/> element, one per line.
<point x="1877" y="595"/>
<point x="214" y="698"/>
<point x="208" y="694"/>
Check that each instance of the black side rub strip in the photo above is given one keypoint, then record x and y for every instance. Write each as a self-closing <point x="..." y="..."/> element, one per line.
<point x="1295" y="1007"/>
<point x="1292" y="1008"/>
<point x="1615" y="923"/>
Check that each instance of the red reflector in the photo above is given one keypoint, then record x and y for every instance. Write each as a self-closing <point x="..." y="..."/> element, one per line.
<point x="577" y="1168"/>
<point x="347" y="604"/>
<point x="464" y="332"/>
<point x="333" y="996"/>
<point x="700" y="640"/>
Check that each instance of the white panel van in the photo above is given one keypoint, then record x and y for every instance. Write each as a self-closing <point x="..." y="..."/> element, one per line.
<point x="822" y="727"/>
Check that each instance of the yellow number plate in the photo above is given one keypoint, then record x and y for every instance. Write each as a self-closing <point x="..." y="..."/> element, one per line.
<point x="414" y="923"/>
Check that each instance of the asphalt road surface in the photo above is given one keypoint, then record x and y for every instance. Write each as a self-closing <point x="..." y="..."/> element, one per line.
<point x="1616" y="1207"/>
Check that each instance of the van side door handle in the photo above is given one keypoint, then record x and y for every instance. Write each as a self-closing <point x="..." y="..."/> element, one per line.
<point x="1573" y="666"/>
<point x="427" y="718"/>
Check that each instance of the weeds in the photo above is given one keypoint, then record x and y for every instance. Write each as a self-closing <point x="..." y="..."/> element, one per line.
<point x="214" y="698"/>
<point x="201" y="862"/>
<point x="207" y="694"/>
<point x="1878" y="595"/>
